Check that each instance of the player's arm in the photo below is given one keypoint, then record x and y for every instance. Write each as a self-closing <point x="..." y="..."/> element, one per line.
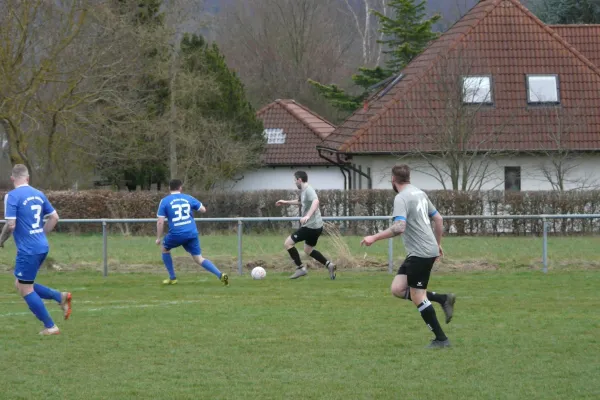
<point x="51" y="222"/>
<point x="50" y="215"/>
<point x="198" y="206"/>
<point x="10" y="215"/>
<point x="438" y="227"/>
<point x="398" y="227"/>
<point x="314" y="206"/>
<point x="7" y="230"/>
<point x="438" y="224"/>
<point x="160" y="223"/>
<point x="288" y="203"/>
<point x="160" y="227"/>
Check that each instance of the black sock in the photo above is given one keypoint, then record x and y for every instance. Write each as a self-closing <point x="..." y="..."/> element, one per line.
<point x="295" y="256"/>
<point x="319" y="257"/>
<point x="428" y="315"/>
<point x="438" y="298"/>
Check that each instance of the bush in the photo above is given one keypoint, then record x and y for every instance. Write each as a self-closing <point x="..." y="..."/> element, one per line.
<point x="96" y="204"/>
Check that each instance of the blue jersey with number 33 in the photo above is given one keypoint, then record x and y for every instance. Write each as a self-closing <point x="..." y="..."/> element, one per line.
<point x="28" y="206"/>
<point x="178" y="209"/>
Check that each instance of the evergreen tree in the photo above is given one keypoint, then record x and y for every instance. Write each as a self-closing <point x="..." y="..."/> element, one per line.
<point x="153" y="92"/>
<point x="406" y="34"/>
<point x="567" y="11"/>
<point x="231" y="105"/>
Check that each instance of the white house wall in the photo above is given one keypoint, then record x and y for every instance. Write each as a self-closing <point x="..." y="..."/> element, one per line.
<point x="585" y="172"/>
<point x="270" y="178"/>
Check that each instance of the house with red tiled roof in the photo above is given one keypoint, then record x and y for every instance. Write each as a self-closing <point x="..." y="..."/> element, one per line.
<point x="499" y="101"/>
<point x="293" y="133"/>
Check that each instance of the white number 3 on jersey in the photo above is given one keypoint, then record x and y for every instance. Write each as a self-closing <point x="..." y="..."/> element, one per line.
<point x="182" y="212"/>
<point x="37" y="213"/>
<point x="423" y="208"/>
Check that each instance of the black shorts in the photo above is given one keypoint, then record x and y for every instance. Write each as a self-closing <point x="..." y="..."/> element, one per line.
<point x="307" y="235"/>
<point x="417" y="271"/>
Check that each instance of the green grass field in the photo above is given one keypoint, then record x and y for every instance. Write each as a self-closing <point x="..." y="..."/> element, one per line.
<point x="140" y="254"/>
<point x="517" y="333"/>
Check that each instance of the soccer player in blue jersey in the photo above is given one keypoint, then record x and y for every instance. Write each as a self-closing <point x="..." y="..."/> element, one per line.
<point x="24" y="210"/>
<point x="177" y="209"/>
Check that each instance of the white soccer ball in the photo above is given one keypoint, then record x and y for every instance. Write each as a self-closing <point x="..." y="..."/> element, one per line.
<point x="258" y="273"/>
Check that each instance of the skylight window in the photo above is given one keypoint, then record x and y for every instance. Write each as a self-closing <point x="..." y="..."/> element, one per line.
<point x="477" y="90"/>
<point x="542" y="89"/>
<point x="274" y="136"/>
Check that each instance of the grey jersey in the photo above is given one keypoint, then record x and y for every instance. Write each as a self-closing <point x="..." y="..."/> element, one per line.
<point x="306" y="198"/>
<point x="413" y="206"/>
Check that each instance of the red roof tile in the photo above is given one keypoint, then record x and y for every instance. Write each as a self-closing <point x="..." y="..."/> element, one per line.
<point x="303" y="128"/>
<point x="585" y="38"/>
<point x="500" y="38"/>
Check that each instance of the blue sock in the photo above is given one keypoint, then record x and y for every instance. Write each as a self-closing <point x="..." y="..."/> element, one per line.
<point x="210" y="267"/>
<point x="47" y="293"/>
<point x="169" y="265"/>
<point x="37" y="307"/>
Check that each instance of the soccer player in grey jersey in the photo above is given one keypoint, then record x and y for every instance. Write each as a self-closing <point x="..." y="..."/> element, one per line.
<point x="413" y="214"/>
<point x="311" y="227"/>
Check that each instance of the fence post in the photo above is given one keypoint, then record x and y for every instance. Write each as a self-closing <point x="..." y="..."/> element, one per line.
<point x="391" y="253"/>
<point x="545" y="243"/>
<point x="240" y="230"/>
<point x="105" y="248"/>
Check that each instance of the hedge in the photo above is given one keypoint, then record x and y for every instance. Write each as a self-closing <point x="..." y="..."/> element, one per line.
<point x="97" y="204"/>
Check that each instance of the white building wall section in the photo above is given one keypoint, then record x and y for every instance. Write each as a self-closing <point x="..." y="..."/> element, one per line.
<point x="271" y="178"/>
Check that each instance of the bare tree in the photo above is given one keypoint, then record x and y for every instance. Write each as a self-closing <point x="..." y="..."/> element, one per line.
<point x="559" y="163"/>
<point x="276" y="45"/>
<point x="34" y="35"/>
<point x="367" y="28"/>
<point x="455" y="146"/>
<point x="181" y="17"/>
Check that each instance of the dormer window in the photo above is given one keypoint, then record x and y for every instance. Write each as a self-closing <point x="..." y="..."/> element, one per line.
<point x="477" y="90"/>
<point x="274" y="136"/>
<point x="542" y="89"/>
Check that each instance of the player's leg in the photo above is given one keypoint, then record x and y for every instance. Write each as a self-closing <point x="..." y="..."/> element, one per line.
<point x="62" y="298"/>
<point x="290" y="246"/>
<point x="418" y="273"/>
<point x="446" y="301"/>
<point x="168" y="244"/>
<point x="193" y="247"/>
<point x="399" y="286"/>
<point x="309" y="249"/>
<point x="400" y="289"/>
<point x="26" y="269"/>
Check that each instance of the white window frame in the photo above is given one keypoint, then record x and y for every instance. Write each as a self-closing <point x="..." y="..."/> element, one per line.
<point x="476" y="98"/>
<point x="274" y="136"/>
<point x="533" y="98"/>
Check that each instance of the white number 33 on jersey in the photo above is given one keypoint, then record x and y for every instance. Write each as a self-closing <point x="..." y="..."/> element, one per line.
<point x="182" y="212"/>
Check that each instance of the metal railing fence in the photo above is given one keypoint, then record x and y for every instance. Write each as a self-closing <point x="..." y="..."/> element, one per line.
<point x="241" y="221"/>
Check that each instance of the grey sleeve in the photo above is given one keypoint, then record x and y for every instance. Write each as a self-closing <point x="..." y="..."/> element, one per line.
<point x="431" y="210"/>
<point x="400" y="211"/>
<point x="311" y="194"/>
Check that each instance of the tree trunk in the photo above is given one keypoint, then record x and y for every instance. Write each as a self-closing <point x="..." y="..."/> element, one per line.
<point x="17" y="149"/>
<point x="173" y="118"/>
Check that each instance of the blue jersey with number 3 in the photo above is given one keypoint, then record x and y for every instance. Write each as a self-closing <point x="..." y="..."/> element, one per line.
<point x="178" y="209"/>
<point x="28" y="206"/>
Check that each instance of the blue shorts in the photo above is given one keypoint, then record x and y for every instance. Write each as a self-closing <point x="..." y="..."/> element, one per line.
<point x="191" y="245"/>
<point x="28" y="265"/>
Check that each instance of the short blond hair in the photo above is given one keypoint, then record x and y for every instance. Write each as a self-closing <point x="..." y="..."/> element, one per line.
<point x="20" y="171"/>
